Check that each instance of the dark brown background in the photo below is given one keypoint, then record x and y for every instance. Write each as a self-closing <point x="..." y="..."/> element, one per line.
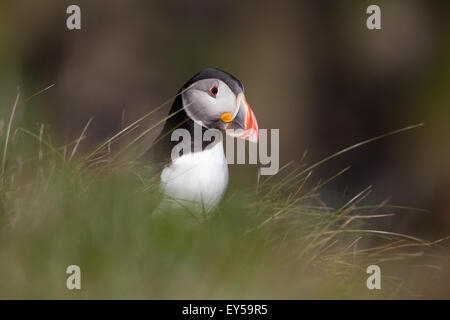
<point x="310" y="68"/>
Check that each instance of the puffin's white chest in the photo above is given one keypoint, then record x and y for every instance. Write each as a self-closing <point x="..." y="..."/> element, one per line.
<point x="196" y="180"/>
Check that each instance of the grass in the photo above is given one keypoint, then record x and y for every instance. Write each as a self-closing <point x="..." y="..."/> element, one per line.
<point x="279" y="240"/>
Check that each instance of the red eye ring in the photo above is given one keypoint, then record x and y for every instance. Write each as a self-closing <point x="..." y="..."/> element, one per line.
<point x="214" y="90"/>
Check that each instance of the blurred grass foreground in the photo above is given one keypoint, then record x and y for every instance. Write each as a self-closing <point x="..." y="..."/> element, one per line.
<point x="60" y="207"/>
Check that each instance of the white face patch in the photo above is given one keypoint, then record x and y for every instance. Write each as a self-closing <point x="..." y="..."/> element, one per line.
<point x="206" y="108"/>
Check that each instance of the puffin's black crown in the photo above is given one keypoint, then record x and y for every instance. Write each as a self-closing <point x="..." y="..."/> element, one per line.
<point x="211" y="73"/>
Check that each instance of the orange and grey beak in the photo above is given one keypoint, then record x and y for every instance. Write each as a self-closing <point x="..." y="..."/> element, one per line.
<point x="244" y="124"/>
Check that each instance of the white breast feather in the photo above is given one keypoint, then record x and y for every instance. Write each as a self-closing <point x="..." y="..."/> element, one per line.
<point x="195" y="180"/>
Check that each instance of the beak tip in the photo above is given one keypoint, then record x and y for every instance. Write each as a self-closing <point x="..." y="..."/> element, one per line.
<point x="253" y="135"/>
<point x="248" y="126"/>
<point x="253" y="139"/>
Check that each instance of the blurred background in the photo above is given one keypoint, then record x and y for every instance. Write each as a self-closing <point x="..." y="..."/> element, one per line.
<point x="310" y="68"/>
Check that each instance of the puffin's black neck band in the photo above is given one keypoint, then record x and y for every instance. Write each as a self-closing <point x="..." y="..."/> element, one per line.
<point x="180" y="119"/>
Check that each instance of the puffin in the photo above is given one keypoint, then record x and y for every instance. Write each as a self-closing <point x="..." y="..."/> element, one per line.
<point x="197" y="177"/>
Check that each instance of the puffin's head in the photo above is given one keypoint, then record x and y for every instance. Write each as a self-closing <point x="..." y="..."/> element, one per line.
<point x="216" y="99"/>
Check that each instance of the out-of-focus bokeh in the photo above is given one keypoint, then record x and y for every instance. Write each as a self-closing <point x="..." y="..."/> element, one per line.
<point x="310" y="68"/>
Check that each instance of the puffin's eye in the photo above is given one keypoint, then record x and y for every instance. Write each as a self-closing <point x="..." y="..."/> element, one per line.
<point x="214" y="91"/>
